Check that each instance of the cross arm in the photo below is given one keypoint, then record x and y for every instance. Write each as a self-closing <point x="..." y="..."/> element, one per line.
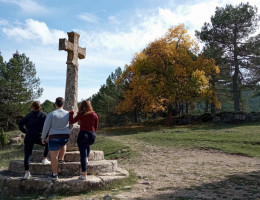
<point x="81" y="53"/>
<point x="64" y="44"/>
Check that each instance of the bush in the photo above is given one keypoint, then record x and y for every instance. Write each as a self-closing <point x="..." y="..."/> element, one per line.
<point x="206" y="117"/>
<point x="3" y="139"/>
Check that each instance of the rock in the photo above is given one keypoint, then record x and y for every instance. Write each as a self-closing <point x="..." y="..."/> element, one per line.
<point x="107" y="197"/>
<point x="15" y="140"/>
<point x="127" y="188"/>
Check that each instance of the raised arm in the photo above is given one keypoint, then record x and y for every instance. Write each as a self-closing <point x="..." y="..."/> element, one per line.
<point x="73" y="120"/>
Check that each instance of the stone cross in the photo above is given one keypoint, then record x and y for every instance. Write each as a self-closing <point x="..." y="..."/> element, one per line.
<point x="74" y="52"/>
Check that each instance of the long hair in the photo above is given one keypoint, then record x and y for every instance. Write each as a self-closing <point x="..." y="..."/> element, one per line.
<point x="85" y="107"/>
<point x="36" y="106"/>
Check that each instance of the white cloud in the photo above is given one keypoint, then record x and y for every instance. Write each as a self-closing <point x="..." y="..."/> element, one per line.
<point x="3" y="22"/>
<point x="35" y="30"/>
<point x="88" y="17"/>
<point x="28" y="6"/>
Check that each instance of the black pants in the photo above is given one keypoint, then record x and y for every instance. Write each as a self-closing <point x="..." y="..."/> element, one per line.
<point x="28" y="147"/>
<point x="85" y="140"/>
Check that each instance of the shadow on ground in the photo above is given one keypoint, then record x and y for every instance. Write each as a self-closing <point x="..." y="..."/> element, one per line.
<point x="239" y="186"/>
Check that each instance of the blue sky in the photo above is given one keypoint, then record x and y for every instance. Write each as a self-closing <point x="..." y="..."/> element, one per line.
<point x="112" y="31"/>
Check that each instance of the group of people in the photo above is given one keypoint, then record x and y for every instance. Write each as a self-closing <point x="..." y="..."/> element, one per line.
<point x="53" y="132"/>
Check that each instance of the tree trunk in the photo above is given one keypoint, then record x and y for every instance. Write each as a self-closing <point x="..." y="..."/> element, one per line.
<point x="135" y="116"/>
<point x="213" y="108"/>
<point x="187" y="108"/>
<point x="169" y="121"/>
<point x="235" y="77"/>
<point x="206" y="106"/>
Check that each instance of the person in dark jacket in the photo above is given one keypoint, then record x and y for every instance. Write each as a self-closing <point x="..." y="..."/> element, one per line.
<point x="88" y="126"/>
<point x="32" y="126"/>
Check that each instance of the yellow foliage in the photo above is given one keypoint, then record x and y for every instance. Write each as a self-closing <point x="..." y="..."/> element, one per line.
<point x="167" y="71"/>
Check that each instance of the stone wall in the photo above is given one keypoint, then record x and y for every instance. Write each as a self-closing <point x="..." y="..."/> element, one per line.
<point x="223" y="117"/>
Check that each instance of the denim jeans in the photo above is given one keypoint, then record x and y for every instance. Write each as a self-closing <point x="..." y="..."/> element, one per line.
<point x="85" y="140"/>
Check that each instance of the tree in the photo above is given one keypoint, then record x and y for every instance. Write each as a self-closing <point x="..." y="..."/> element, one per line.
<point x="19" y="86"/>
<point x="48" y="106"/>
<point x="167" y="71"/>
<point x="107" y="98"/>
<point x="230" y="33"/>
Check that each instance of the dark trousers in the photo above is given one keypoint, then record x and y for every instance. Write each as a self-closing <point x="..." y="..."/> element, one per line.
<point x="28" y="147"/>
<point x="85" y="140"/>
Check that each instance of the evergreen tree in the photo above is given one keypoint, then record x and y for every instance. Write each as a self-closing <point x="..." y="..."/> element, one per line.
<point x="230" y="33"/>
<point x="19" y="85"/>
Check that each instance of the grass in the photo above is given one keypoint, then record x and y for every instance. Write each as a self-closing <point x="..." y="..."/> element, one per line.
<point x="113" y="149"/>
<point x="243" y="139"/>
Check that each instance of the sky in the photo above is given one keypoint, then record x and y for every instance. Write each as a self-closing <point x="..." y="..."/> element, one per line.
<point x="112" y="31"/>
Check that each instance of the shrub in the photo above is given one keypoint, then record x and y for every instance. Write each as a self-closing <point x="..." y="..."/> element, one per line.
<point x="3" y="138"/>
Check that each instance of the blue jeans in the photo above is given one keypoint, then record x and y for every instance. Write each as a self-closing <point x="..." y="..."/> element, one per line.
<point x="56" y="143"/>
<point x="85" y="140"/>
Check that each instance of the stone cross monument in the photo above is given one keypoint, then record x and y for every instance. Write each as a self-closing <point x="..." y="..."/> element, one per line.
<point x="71" y="91"/>
<point x="74" y="52"/>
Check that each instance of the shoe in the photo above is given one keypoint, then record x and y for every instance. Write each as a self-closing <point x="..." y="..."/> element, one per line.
<point x="82" y="177"/>
<point x="52" y="176"/>
<point x="27" y="175"/>
<point x="46" y="162"/>
<point x="61" y="161"/>
<point x="87" y="159"/>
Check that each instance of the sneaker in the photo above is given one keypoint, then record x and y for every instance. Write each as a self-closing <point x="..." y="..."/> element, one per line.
<point x="52" y="176"/>
<point x="61" y="161"/>
<point x="87" y="159"/>
<point x="46" y="162"/>
<point x="82" y="177"/>
<point x="27" y="175"/>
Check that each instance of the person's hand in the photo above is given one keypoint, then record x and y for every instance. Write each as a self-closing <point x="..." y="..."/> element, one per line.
<point x="43" y="141"/>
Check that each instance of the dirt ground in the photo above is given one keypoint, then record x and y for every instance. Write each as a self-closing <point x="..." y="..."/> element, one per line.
<point x="186" y="174"/>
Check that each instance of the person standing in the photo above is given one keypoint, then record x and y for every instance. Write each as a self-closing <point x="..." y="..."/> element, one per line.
<point x="32" y="125"/>
<point x="88" y="126"/>
<point x="57" y="126"/>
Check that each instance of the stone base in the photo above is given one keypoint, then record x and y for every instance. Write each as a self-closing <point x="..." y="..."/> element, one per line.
<point x="70" y="156"/>
<point x="12" y="184"/>
<point x="66" y="169"/>
<point x="72" y="144"/>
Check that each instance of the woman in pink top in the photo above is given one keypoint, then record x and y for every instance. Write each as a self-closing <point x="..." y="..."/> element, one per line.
<point x="88" y="126"/>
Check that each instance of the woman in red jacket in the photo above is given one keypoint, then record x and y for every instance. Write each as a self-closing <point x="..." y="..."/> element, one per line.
<point x="88" y="126"/>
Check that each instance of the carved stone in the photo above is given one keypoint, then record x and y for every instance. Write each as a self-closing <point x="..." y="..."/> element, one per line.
<point x="74" y="52"/>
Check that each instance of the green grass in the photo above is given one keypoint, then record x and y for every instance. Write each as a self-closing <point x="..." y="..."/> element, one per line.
<point x="241" y="139"/>
<point x="112" y="149"/>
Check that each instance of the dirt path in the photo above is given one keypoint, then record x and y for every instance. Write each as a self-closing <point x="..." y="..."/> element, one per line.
<point x="188" y="174"/>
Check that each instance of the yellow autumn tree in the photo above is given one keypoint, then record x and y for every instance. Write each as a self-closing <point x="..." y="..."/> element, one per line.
<point x="165" y="72"/>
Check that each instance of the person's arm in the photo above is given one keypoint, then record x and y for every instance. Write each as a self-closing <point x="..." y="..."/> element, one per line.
<point x="46" y="126"/>
<point x="73" y="120"/>
<point x="22" y="123"/>
<point x="96" y="122"/>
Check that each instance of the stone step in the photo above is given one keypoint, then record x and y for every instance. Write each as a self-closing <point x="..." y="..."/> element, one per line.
<point x="67" y="169"/>
<point x="12" y="184"/>
<point x="70" y="156"/>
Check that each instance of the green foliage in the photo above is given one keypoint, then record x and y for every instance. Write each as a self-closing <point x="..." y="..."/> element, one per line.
<point x="19" y="86"/>
<point x="107" y="98"/>
<point x="3" y="139"/>
<point x="230" y="40"/>
<point x="48" y="106"/>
